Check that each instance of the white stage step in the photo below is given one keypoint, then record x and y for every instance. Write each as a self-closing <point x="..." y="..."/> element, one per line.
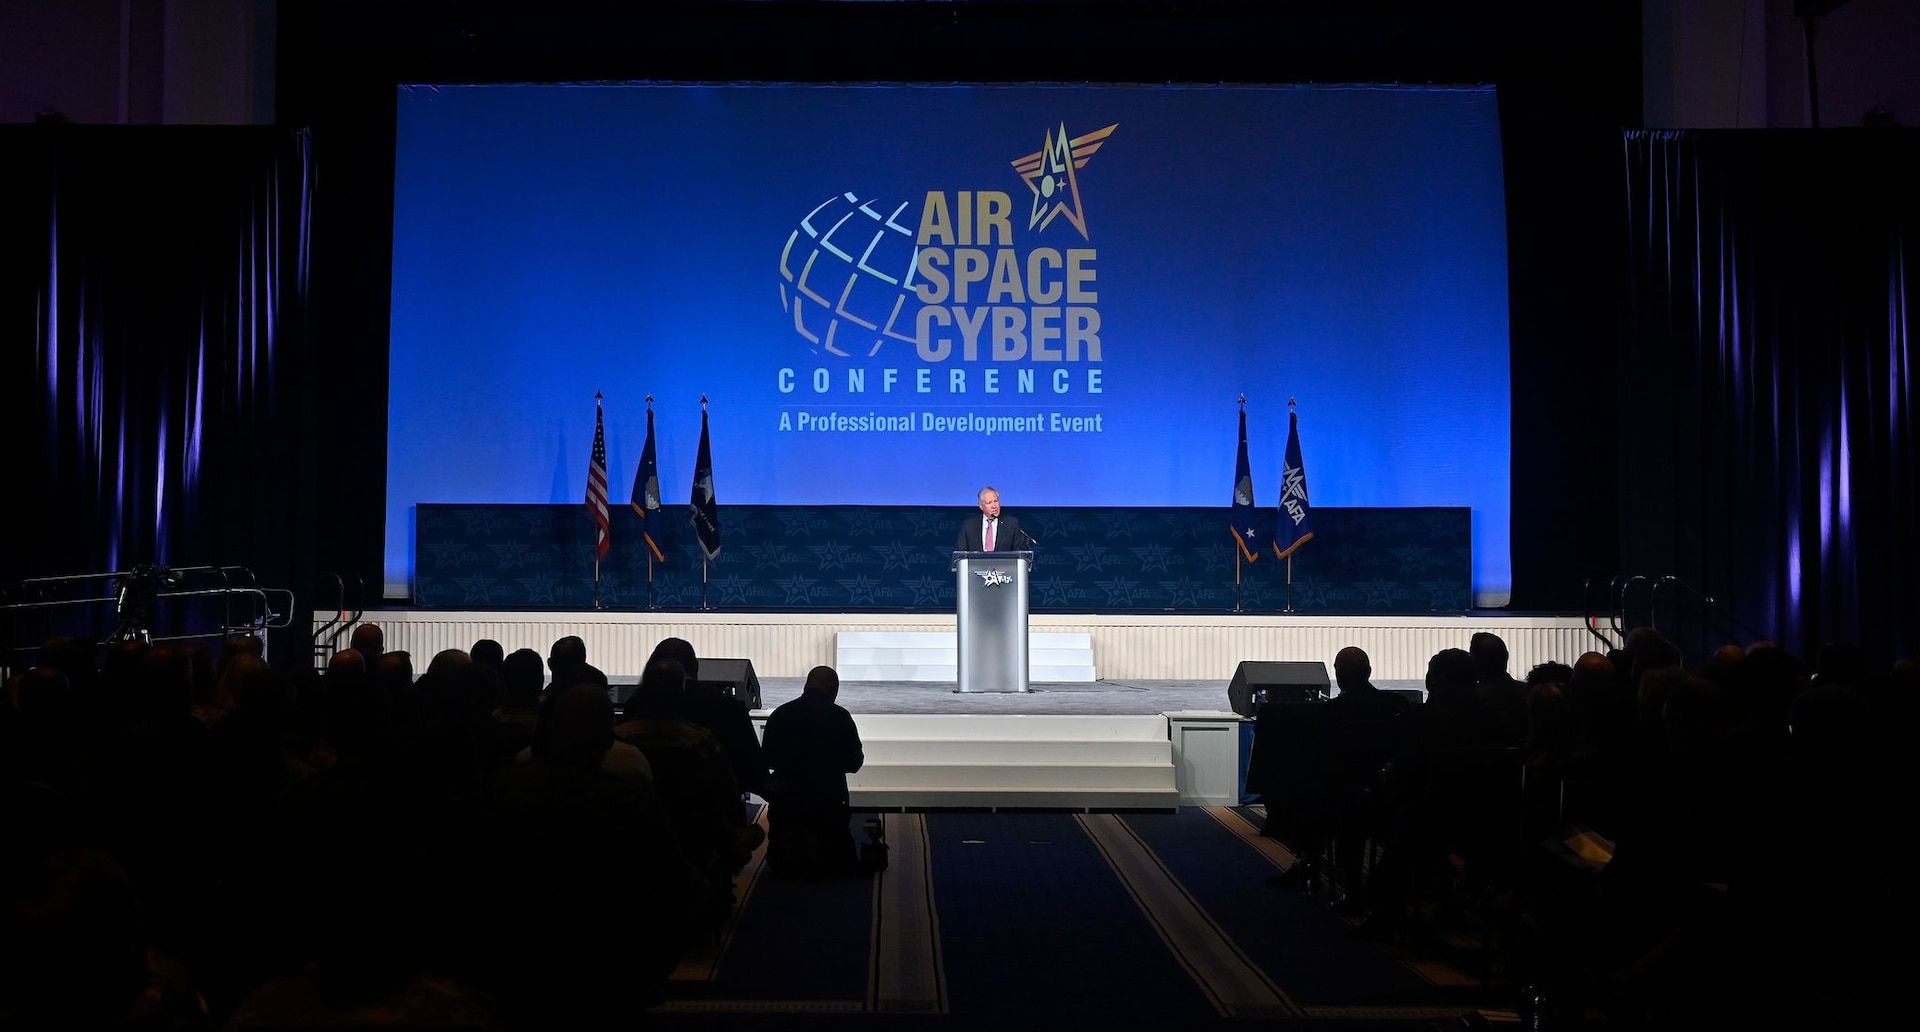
<point x="1052" y="656"/>
<point x="1031" y="761"/>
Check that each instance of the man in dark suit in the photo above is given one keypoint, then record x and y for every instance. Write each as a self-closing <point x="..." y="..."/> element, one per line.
<point x="991" y="531"/>
<point x="812" y="744"/>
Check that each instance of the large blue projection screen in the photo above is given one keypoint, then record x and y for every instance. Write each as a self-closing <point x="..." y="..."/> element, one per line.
<point x="896" y="294"/>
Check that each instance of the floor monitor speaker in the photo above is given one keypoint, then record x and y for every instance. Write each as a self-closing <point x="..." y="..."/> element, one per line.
<point x="733" y="677"/>
<point x="1258" y="681"/>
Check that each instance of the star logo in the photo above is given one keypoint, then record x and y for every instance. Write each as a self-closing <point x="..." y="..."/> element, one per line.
<point x="1122" y="525"/>
<point x="767" y="555"/>
<point x="448" y="553"/>
<point x="477" y="588"/>
<point x="1313" y="595"/>
<point x="732" y="589"/>
<point x="539" y="588"/>
<point x="1213" y="560"/>
<point x="831" y="557"/>
<point x="481" y="522"/>
<point x="1089" y="557"/>
<point x="1414" y="558"/>
<point x="930" y="523"/>
<point x="1174" y="527"/>
<point x="929" y="590"/>
<point x="1183" y="592"/>
<point x="1445" y="594"/>
<point x="1447" y="525"/>
<point x="896" y="556"/>
<point x="1378" y="593"/>
<point x="510" y="555"/>
<point x="994" y="578"/>
<point x="864" y="590"/>
<point x="799" y="590"/>
<point x="1053" y="174"/>
<point x="1053" y="591"/>
<point x="804" y="523"/>
<point x="1153" y="557"/>
<point x="1122" y="592"/>
<point x="863" y="523"/>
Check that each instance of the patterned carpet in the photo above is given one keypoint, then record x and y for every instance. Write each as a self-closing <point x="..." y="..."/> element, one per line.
<point x="1019" y="920"/>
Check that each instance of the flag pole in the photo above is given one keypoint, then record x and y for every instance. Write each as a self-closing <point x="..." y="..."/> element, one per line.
<point x="1293" y="499"/>
<point x="596" y="550"/>
<point x="644" y="529"/>
<point x="1236" y="549"/>
<point x="706" y="558"/>
<point x="1242" y="478"/>
<point x="1236" y="580"/>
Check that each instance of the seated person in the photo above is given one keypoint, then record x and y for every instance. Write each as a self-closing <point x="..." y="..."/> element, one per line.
<point x="729" y="718"/>
<point x="811" y="746"/>
<point x="1354" y="739"/>
<point x="690" y="776"/>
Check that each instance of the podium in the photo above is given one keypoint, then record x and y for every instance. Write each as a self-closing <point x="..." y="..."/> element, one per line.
<point x="990" y="596"/>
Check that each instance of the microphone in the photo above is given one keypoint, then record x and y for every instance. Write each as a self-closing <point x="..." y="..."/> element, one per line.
<point x="1031" y="540"/>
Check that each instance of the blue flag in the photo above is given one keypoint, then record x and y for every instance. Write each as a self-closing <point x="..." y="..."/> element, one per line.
<point x="1245" y="520"/>
<point x="646" y="492"/>
<point x="1296" y="515"/>
<point x="706" y="511"/>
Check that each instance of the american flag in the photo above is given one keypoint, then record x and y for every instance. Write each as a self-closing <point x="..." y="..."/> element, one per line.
<point x="597" y="484"/>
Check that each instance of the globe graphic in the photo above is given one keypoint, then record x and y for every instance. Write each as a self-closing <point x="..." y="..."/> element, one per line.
<point x="846" y="276"/>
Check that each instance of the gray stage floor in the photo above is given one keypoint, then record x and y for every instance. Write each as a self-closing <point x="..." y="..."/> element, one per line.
<point x="1096" y="697"/>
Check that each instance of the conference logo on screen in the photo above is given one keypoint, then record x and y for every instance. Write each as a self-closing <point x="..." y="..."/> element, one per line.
<point x="991" y="293"/>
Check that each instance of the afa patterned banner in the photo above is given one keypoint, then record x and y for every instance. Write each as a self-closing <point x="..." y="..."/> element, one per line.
<point x="899" y="558"/>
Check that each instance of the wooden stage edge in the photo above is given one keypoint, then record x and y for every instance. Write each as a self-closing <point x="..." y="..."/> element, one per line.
<point x="1153" y="646"/>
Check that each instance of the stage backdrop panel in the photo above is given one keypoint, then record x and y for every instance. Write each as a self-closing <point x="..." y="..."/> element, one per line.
<point x="878" y="558"/>
<point x="894" y="294"/>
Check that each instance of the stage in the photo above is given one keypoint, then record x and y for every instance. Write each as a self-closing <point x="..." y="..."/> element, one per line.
<point x="1150" y="726"/>
<point x="1103" y="697"/>
<point x="1182" y="657"/>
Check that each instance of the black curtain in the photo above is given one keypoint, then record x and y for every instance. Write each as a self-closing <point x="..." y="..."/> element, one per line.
<point x="1768" y="448"/>
<point x="155" y="368"/>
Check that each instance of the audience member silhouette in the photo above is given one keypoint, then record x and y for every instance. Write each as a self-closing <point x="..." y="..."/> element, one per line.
<point x="1436" y="790"/>
<point x="720" y="712"/>
<point x="294" y="842"/>
<point x="1496" y="689"/>
<point x="692" y="779"/>
<point x="490" y="653"/>
<point x="80" y="955"/>
<point x="368" y="640"/>
<point x="586" y="902"/>
<point x="568" y="654"/>
<point x="812" y="745"/>
<point x="511" y="726"/>
<point x="1355" y="737"/>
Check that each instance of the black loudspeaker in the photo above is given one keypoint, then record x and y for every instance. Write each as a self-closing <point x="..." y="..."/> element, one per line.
<point x="733" y="677"/>
<point x="1414" y="696"/>
<point x="1256" y="681"/>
